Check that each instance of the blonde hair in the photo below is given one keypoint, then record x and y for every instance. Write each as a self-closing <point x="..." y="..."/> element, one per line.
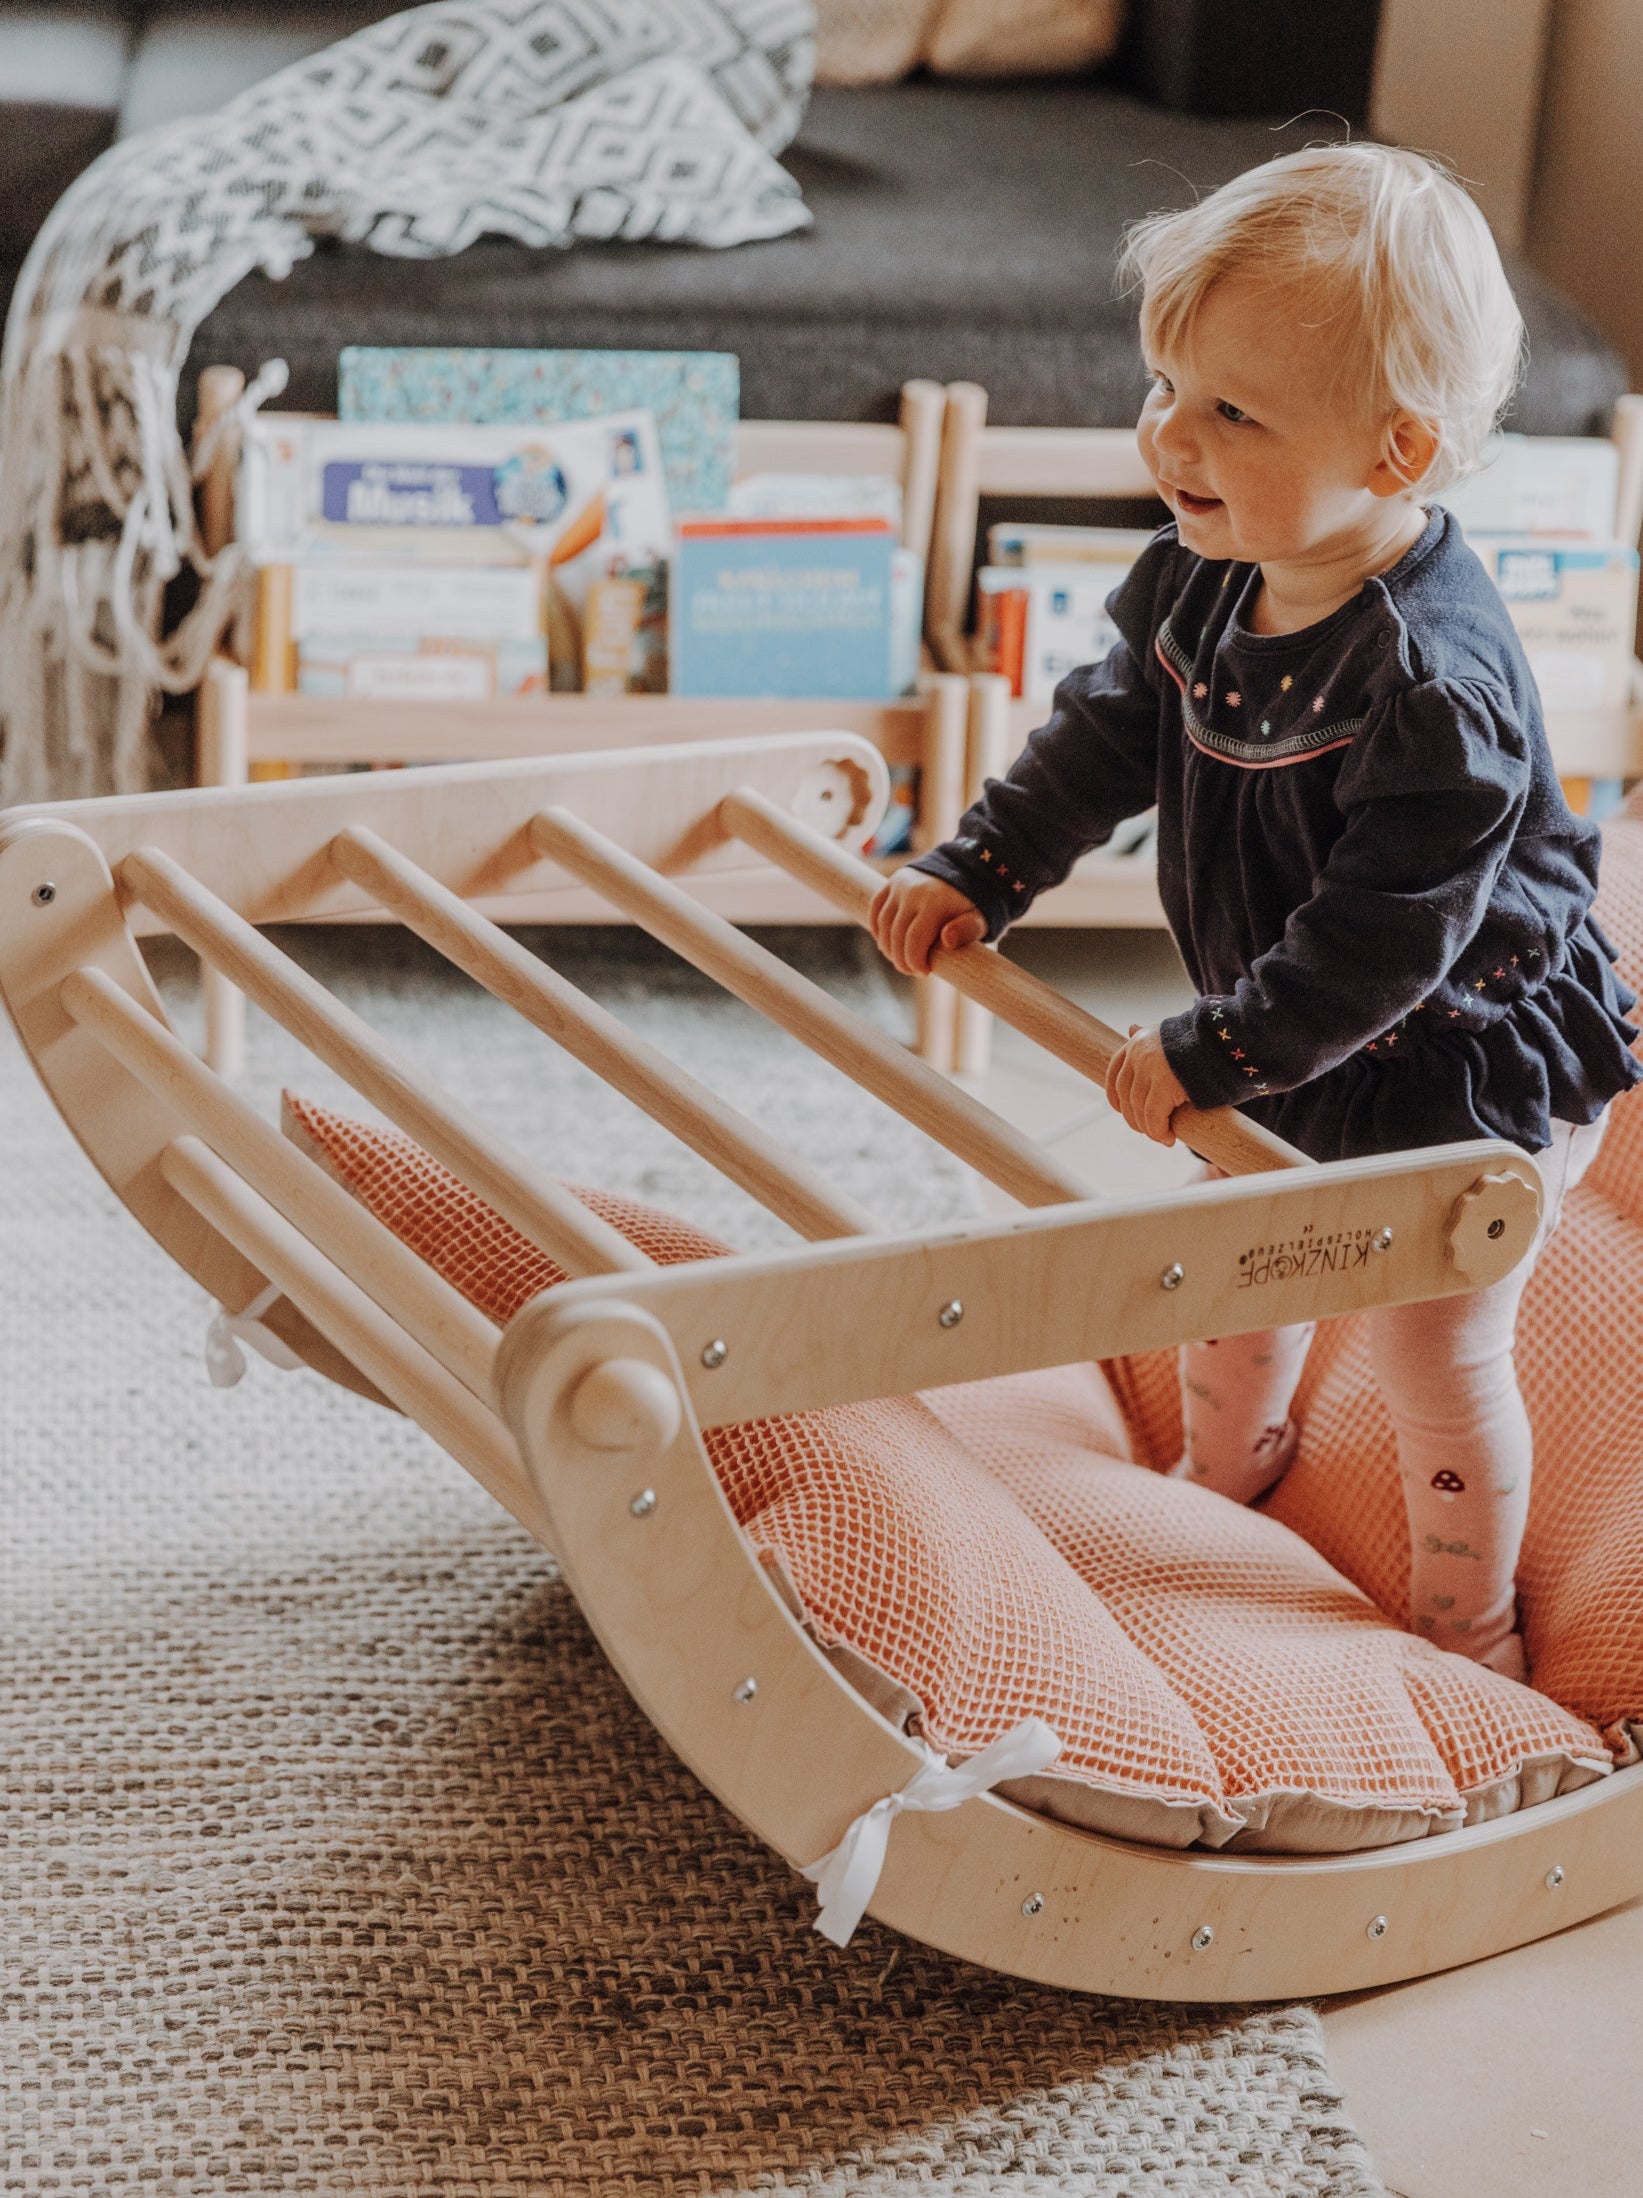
<point x="1394" y="260"/>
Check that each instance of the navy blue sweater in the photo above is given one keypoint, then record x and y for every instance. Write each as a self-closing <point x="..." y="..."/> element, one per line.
<point x="1381" y="896"/>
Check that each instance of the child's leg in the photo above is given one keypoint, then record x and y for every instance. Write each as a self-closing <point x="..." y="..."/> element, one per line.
<point x="1465" y="1450"/>
<point x="1235" y="1399"/>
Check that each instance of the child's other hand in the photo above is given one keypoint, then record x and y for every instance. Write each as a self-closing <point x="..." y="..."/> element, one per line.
<point x="1143" y="1087"/>
<point x="913" y="914"/>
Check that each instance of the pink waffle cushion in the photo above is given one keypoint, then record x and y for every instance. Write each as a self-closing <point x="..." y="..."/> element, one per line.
<point x="988" y="1552"/>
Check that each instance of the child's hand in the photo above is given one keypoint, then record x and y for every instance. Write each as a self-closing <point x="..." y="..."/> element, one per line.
<point x="1143" y="1087"/>
<point x="913" y="914"/>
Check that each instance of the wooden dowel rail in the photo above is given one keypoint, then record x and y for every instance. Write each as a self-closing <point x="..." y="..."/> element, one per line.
<point x="752" y="973"/>
<point x="1073" y="1035"/>
<point x="788" y="1187"/>
<point x="366" y="1335"/>
<point x="370" y="1255"/>
<point x="541" y="1209"/>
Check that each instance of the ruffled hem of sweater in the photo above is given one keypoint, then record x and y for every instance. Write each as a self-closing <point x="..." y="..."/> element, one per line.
<point x="1559" y="1053"/>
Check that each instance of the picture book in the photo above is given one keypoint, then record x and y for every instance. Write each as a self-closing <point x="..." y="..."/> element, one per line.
<point x="1540" y="484"/>
<point x="454" y="602"/>
<point x="1037" y="623"/>
<point x="412" y="668"/>
<point x="315" y="489"/>
<point x="799" y="607"/>
<point x="1018" y="542"/>
<point x="1574" y="605"/>
<point x="694" y="397"/>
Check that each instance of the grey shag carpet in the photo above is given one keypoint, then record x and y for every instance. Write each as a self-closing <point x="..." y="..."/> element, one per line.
<point x="334" y="1859"/>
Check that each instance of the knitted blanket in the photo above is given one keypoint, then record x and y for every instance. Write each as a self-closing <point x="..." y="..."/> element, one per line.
<point x="540" y="120"/>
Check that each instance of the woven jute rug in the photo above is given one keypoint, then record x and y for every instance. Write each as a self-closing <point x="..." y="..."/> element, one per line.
<point x="336" y="1860"/>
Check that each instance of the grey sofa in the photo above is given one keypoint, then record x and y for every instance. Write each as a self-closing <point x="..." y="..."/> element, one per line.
<point x="962" y="231"/>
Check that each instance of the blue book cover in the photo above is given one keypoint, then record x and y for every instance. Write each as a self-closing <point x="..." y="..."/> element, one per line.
<point x="694" y="395"/>
<point x="790" y="608"/>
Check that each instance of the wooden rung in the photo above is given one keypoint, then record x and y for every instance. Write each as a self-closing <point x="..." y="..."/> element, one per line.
<point x="1082" y="1040"/>
<point x="873" y="1060"/>
<point x="370" y="1255"/>
<point x="538" y="1207"/>
<point x="799" y="1194"/>
<point x="370" y="1338"/>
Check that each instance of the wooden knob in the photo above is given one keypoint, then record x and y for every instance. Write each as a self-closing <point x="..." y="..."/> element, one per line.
<point x="1492" y="1226"/>
<point x="625" y="1404"/>
<point x="833" y="797"/>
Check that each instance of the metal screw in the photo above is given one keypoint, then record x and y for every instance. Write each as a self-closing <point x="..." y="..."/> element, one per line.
<point x="1203" y="1939"/>
<point x="951" y="1313"/>
<point x="644" y="1503"/>
<point x="1383" y="1243"/>
<point x="715" y="1353"/>
<point x="745" y="1691"/>
<point x="1554" y="1877"/>
<point x="44" y="895"/>
<point x="1172" y="1277"/>
<point x="1376" y="1928"/>
<point x="1033" y="1905"/>
<point x="1497" y="1229"/>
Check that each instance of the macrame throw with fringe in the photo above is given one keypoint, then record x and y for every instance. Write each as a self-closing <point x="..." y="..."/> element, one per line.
<point x="540" y="120"/>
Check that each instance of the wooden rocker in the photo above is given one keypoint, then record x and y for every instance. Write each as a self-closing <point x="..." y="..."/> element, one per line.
<point x="813" y="1498"/>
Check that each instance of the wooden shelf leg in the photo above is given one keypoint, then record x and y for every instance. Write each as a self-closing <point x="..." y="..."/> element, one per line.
<point x="940" y="805"/>
<point x="988" y="757"/>
<point x="953" y="532"/>
<point x="221" y="759"/>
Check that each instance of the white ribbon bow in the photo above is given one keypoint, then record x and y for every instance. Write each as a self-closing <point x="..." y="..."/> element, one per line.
<point x="224" y="1360"/>
<point x="846" y="1879"/>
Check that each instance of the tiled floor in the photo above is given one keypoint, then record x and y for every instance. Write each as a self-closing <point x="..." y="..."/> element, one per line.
<point x="1517" y="2077"/>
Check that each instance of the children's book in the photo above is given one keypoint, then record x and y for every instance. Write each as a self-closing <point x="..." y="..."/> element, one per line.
<point x="1037" y="623"/>
<point x="1017" y="542"/>
<point x="450" y="602"/>
<point x="406" y="633"/>
<point x="823" y="607"/>
<point x="1540" y="484"/>
<point x="313" y="489"/>
<point x="694" y="397"/>
<point x="420" y="668"/>
<point x="1574" y="605"/>
<point x="817" y="496"/>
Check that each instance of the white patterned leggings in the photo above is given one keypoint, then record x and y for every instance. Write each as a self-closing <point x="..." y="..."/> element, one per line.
<point x="1465" y="1452"/>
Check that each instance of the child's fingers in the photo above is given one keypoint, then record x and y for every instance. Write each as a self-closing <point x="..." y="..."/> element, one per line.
<point x="912" y="949"/>
<point x="1115" y="1070"/>
<point x="880" y="921"/>
<point x="897" y="915"/>
<point x="921" y="938"/>
<point x="968" y="929"/>
<point x="1160" y="1107"/>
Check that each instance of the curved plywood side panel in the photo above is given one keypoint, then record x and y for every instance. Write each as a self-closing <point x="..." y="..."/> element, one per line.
<point x="685" y="1613"/>
<point x="59" y="911"/>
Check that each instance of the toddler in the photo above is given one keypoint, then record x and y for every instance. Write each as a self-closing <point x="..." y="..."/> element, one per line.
<point x="1381" y="897"/>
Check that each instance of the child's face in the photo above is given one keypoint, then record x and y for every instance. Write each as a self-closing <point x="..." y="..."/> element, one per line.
<point x="1249" y="439"/>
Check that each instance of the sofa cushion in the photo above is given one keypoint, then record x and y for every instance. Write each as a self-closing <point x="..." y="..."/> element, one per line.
<point x="876" y="41"/>
<point x="987" y="1552"/>
<point x="193" y="58"/>
<point x="962" y="231"/>
<point x="60" y="89"/>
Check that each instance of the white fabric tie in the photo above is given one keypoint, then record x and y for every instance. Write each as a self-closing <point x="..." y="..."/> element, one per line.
<point x="224" y="1360"/>
<point x="846" y="1879"/>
